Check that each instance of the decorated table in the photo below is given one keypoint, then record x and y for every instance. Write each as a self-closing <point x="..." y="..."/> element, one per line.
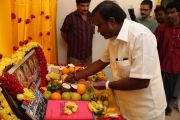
<point x="31" y="89"/>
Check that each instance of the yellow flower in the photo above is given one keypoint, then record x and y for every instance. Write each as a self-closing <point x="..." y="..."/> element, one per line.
<point x="5" y="110"/>
<point x="27" y="95"/>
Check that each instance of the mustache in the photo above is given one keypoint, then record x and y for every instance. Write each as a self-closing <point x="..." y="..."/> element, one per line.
<point x="85" y="10"/>
<point x="143" y="14"/>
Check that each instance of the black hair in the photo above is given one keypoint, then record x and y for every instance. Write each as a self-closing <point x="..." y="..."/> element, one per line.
<point x="109" y="9"/>
<point x="82" y="1"/>
<point x="173" y="5"/>
<point x="147" y="2"/>
<point x="159" y="8"/>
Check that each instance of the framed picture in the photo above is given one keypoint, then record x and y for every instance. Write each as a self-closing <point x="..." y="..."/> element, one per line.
<point x="27" y="70"/>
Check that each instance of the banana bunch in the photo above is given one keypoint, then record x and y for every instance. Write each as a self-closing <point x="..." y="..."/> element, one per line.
<point x="70" y="107"/>
<point x="99" y="103"/>
<point x="101" y="75"/>
<point x="97" y="107"/>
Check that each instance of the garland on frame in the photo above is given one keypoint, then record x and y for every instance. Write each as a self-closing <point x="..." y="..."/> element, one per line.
<point x="9" y="81"/>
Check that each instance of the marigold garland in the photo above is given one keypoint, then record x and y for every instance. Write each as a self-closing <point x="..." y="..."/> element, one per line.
<point x="5" y="110"/>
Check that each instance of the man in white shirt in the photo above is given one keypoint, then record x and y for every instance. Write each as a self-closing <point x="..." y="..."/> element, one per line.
<point x="134" y="61"/>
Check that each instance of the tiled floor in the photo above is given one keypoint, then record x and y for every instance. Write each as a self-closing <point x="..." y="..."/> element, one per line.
<point x="175" y="115"/>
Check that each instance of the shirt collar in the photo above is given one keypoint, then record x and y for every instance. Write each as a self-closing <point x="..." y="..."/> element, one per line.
<point x="123" y="34"/>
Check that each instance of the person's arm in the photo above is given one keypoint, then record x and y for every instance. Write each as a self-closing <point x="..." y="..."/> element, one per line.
<point x="67" y="25"/>
<point x="64" y="36"/>
<point x="90" y="70"/>
<point x="124" y="84"/>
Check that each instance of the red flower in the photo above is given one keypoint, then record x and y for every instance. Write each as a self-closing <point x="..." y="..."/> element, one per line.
<point x="40" y="34"/>
<point x="47" y="17"/>
<point x="19" y="20"/>
<point x="21" y="43"/>
<point x="1" y="56"/>
<point x="26" y="42"/>
<point x="42" y="13"/>
<point x="29" y="38"/>
<point x="13" y="16"/>
<point x="15" y="48"/>
<point x="32" y="16"/>
<point x="48" y="33"/>
<point x="11" y="84"/>
<point x="43" y="66"/>
<point x="27" y="21"/>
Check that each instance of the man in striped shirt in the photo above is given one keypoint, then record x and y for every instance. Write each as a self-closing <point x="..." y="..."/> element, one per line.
<point x="77" y="31"/>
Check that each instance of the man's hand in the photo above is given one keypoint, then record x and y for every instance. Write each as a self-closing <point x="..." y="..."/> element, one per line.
<point x="70" y="78"/>
<point x="99" y="83"/>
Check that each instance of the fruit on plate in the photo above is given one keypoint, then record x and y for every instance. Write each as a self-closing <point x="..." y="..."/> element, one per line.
<point x="65" y="70"/>
<point x="66" y="95"/>
<point x="71" y="69"/>
<point x="53" y="75"/>
<point x="81" y="88"/>
<point x="97" y="107"/>
<point x="99" y="103"/>
<point x="47" y="94"/>
<point x="86" y="96"/>
<point x="75" y="96"/>
<point x="70" y="107"/>
<point x="55" y="96"/>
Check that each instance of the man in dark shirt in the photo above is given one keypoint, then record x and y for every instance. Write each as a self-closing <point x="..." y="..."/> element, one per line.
<point x="168" y="39"/>
<point x="77" y="31"/>
<point x="160" y="14"/>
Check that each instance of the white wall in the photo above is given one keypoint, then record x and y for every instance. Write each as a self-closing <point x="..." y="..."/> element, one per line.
<point x="99" y="44"/>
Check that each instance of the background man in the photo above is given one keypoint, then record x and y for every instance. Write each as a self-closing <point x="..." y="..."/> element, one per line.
<point x="168" y="39"/>
<point x="160" y="14"/>
<point x="145" y="19"/>
<point x="77" y="31"/>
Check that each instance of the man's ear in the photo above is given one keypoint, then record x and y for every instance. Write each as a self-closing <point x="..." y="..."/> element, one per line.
<point x="111" y="22"/>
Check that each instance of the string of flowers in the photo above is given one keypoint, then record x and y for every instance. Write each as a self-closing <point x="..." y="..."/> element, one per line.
<point x="43" y="66"/>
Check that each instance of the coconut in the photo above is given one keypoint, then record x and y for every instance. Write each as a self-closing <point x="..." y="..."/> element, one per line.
<point x="66" y="87"/>
<point x="74" y="87"/>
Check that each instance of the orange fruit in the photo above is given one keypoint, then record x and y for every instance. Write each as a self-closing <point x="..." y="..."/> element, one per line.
<point x="71" y="69"/>
<point x="55" y="96"/>
<point x="65" y="71"/>
<point x="81" y="88"/>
